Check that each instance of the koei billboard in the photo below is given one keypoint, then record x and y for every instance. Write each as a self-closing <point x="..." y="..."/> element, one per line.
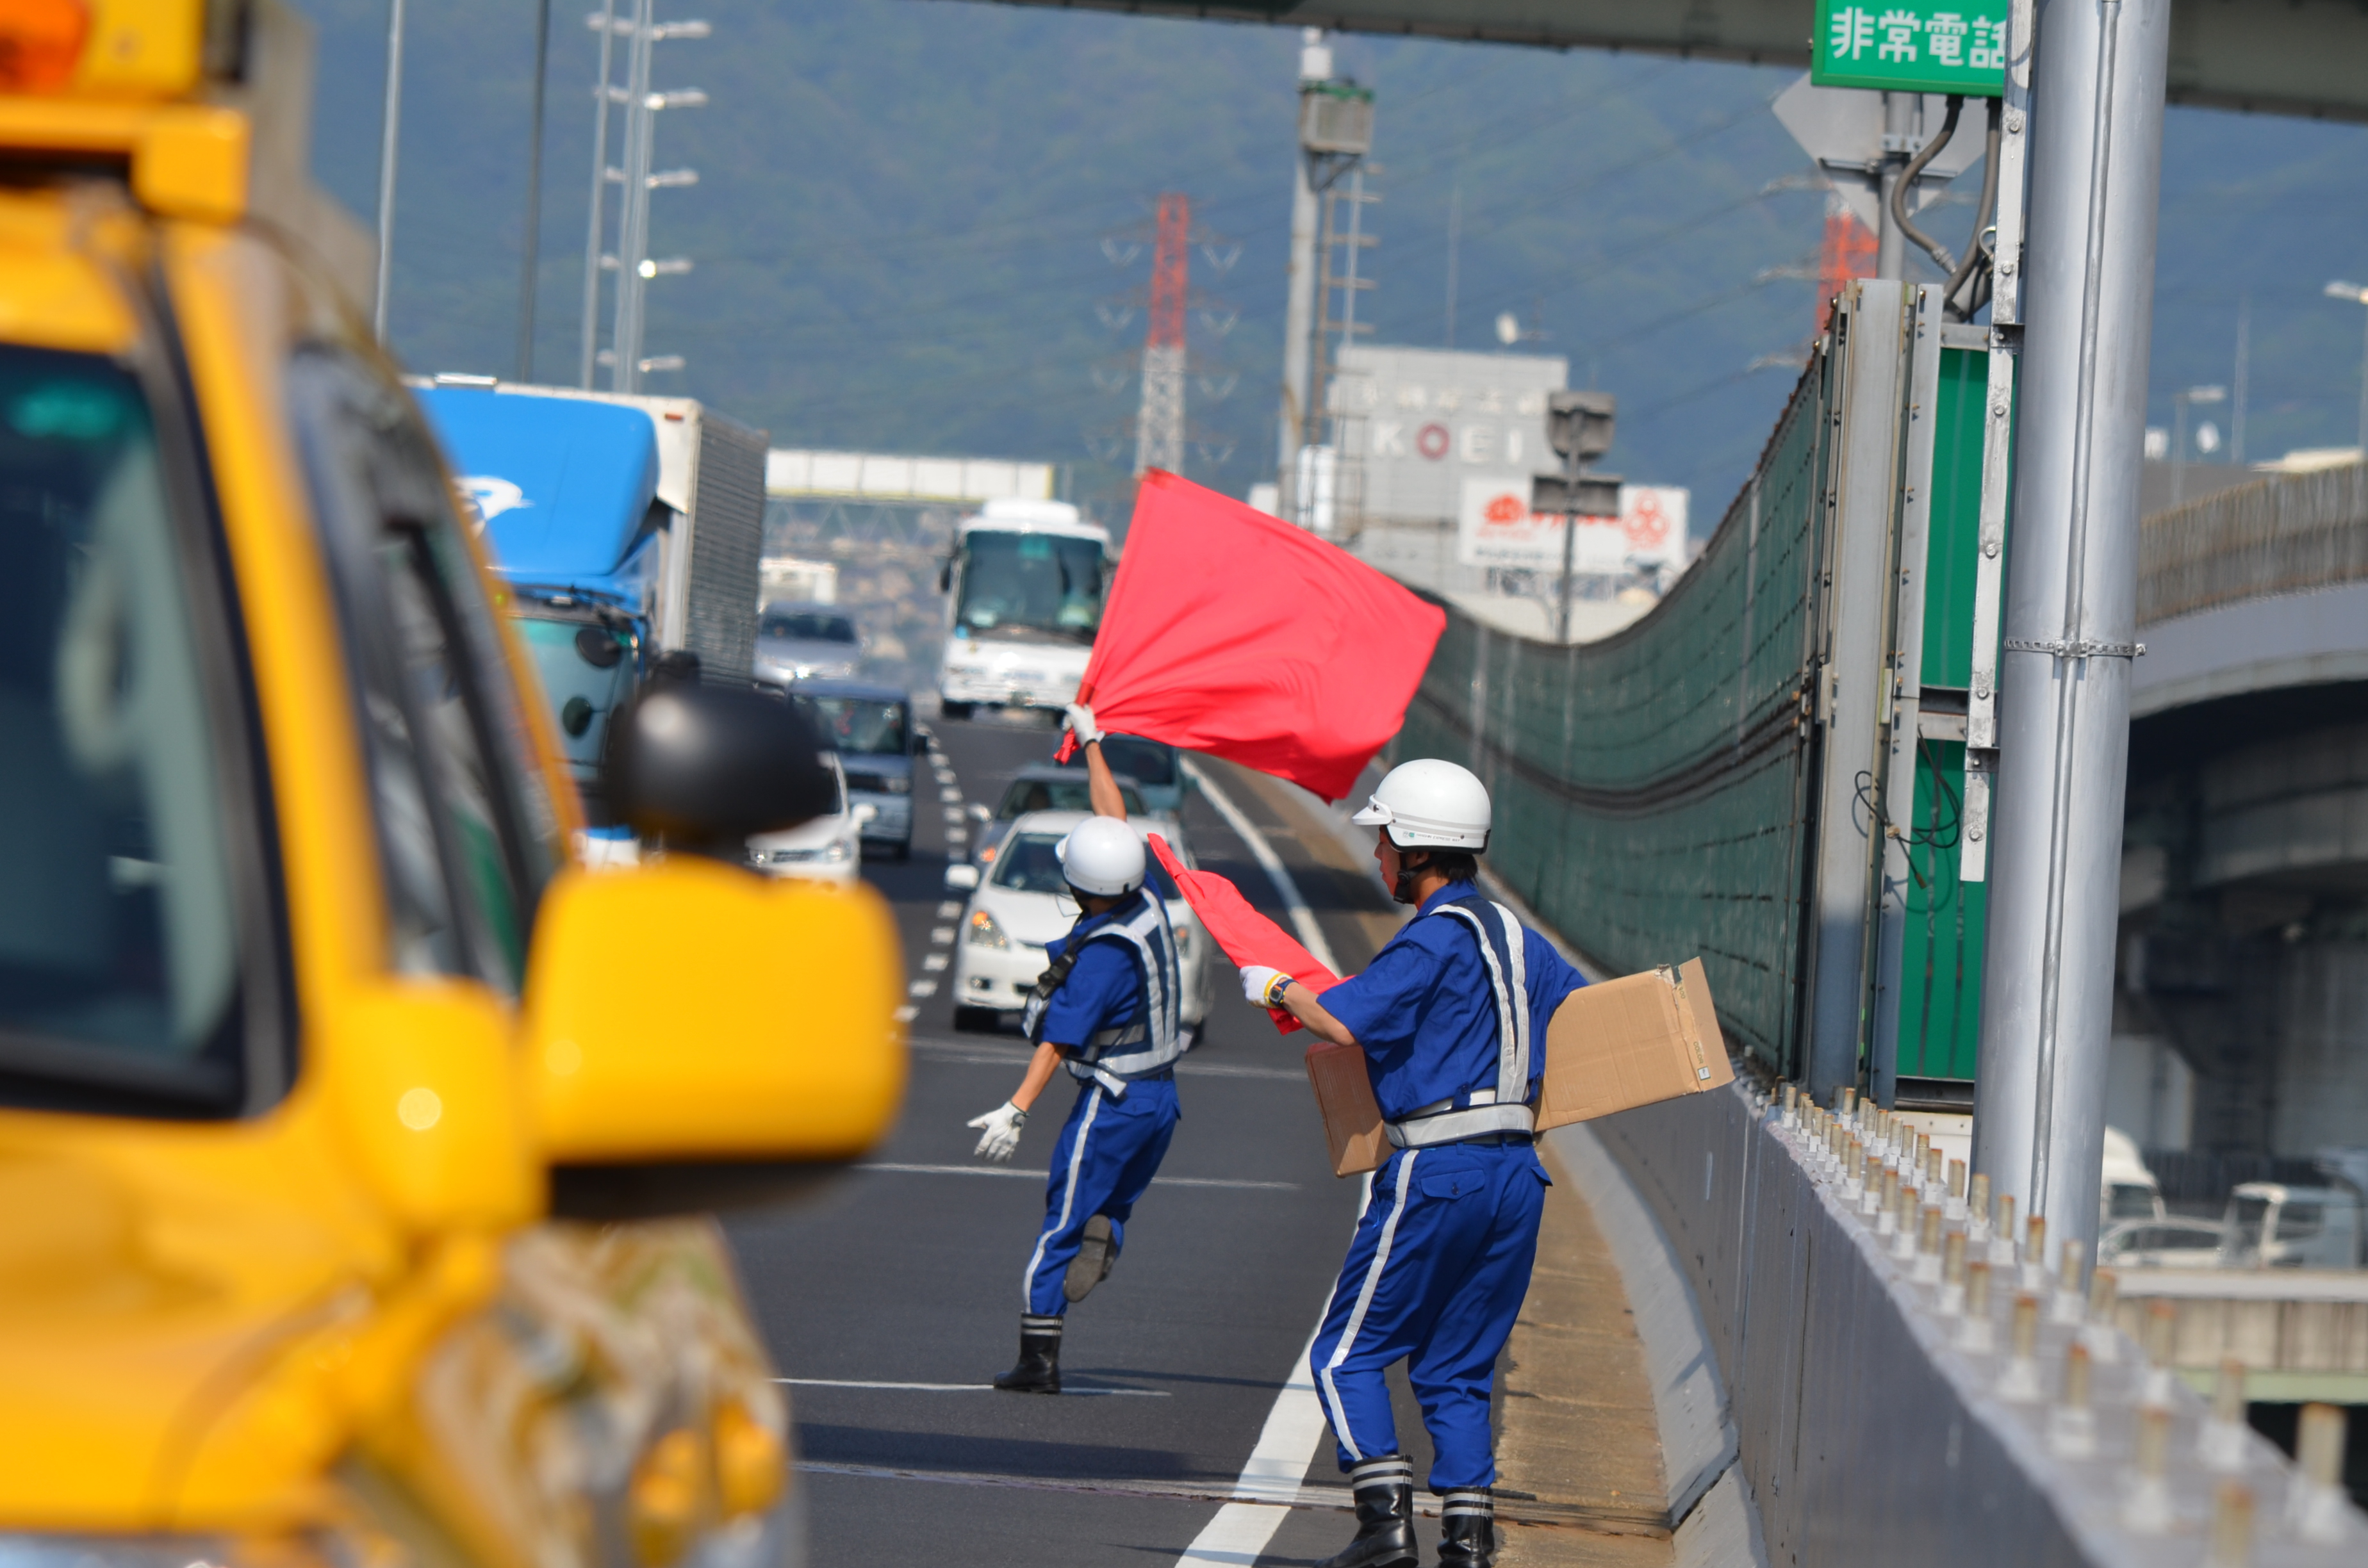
<point x="1496" y="528"/>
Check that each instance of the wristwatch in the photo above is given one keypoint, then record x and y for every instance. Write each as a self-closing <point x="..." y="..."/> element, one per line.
<point x="1276" y="987"/>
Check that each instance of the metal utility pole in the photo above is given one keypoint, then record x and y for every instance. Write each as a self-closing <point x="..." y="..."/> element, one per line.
<point x="1901" y="111"/>
<point x="2095" y="117"/>
<point x="2359" y="296"/>
<point x="603" y="95"/>
<point x="632" y="261"/>
<point x="1160" y="426"/>
<point x="1335" y="129"/>
<point x="533" y="256"/>
<point x="1579" y="427"/>
<point x="2244" y="378"/>
<point x="390" y="133"/>
<point x="2181" y="401"/>
<point x="1299" y="304"/>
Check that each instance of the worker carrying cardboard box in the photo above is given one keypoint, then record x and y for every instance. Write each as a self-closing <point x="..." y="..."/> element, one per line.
<point x="1441" y="1257"/>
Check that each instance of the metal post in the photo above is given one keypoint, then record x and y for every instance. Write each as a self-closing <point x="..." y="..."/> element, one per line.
<point x="2178" y="448"/>
<point x="533" y="256"/>
<point x="1299" y="302"/>
<point x="390" y="131"/>
<point x="2096" y="158"/>
<point x="1862" y="501"/>
<point x="1900" y="113"/>
<point x="2364" y="389"/>
<point x="607" y="23"/>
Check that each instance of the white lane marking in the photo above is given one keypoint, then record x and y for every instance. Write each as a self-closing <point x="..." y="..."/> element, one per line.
<point x="951" y="796"/>
<point x="956" y="836"/>
<point x="922" y="988"/>
<point x="1225" y="1183"/>
<point x="1066" y="1388"/>
<point x="1302" y="919"/>
<point x="955" y="813"/>
<point x="949" y="910"/>
<point x="908" y="1014"/>
<point x="941" y="934"/>
<point x="1313" y="1496"/>
<point x="934" y="963"/>
<point x="1270" y="1485"/>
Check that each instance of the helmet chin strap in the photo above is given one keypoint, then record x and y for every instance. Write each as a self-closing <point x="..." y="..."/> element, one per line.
<point x="1403" y="890"/>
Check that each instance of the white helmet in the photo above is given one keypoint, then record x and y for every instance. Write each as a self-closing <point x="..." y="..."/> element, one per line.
<point x="1431" y="804"/>
<point x="1101" y="856"/>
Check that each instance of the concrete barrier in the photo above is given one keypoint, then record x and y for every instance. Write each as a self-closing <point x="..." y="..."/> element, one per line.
<point x="1863" y="1434"/>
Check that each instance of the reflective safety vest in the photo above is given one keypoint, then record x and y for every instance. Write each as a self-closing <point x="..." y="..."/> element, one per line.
<point x="1151" y="1043"/>
<point x="1501" y="1107"/>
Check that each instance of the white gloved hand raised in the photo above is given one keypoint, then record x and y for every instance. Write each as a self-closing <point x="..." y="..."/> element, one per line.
<point x="1259" y="984"/>
<point x="1081" y="723"/>
<point x="1001" y="1131"/>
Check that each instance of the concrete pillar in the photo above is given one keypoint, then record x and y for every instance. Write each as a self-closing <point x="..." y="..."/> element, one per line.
<point x="2096" y="156"/>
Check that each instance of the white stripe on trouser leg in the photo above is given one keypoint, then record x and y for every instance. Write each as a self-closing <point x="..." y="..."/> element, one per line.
<point x="1365" y="1300"/>
<point x="1068" y="1200"/>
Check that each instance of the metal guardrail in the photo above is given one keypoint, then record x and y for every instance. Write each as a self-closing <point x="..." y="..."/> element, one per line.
<point x="2282" y="534"/>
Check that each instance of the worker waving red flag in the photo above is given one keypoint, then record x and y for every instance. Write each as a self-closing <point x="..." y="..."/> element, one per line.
<point x="1232" y="633"/>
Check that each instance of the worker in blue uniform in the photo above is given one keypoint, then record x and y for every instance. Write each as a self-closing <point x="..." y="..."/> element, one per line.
<point x="1451" y="1015"/>
<point x="1106" y="1010"/>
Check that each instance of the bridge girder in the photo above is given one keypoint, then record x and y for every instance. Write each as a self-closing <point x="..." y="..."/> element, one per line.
<point x="2289" y="57"/>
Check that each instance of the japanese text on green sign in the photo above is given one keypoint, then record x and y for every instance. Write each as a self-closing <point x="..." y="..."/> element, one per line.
<point x="1934" y="46"/>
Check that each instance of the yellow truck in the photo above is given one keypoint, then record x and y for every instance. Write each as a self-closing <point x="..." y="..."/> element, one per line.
<point x="353" y="1136"/>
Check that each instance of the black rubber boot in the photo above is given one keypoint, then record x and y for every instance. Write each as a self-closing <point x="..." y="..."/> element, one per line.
<point x="1039" y="1367"/>
<point x="1467" y="1537"/>
<point x="1096" y="1253"/>
<point x="1384" y="1489"/>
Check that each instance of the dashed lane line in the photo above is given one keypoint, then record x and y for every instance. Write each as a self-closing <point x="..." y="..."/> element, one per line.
<point x="1066" y="1388"/>
<point x="934" y="963"/>
<point x="941" y="934"/>
<point x="1222" y="1184"/>
<point x="922" y="988"/>
<point x="1303" y="919"/>
<point x="949" y="910"/>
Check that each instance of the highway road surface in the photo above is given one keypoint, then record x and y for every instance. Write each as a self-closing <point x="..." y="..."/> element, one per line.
<point x="891" y="1301"/>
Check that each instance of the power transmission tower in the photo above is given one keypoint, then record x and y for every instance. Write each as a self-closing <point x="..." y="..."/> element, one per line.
<point x="1159" y="427"/>
<point x="631" y="261"/>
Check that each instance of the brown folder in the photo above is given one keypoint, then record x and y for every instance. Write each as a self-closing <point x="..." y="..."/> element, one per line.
<point x="1612" y="1045"/>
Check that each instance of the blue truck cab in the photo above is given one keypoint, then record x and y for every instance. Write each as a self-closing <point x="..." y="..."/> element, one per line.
<point x="622" y="530"/>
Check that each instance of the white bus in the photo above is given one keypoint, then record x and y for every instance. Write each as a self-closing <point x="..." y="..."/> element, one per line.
<point x="1024" y="594"/>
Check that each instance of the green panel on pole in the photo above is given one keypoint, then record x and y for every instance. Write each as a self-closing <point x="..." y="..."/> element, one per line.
<point x="1941" y="959"/>
<point x="1917" y="46"/>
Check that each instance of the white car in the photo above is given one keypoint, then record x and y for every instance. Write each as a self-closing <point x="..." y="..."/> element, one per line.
<point x="1021" y="903"/>
<point x="827" y="850"/>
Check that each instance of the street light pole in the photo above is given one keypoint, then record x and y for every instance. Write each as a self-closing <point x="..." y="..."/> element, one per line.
<point x="390" y="131"/>
<point x="2357" y="296"/>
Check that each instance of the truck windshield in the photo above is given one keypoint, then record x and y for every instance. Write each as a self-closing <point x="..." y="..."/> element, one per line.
<point x="1047" y="585"/>
<point x="119" y="939"/>
<point x="586" y="668"/>
<point x="802" y="626"/>
<point x="857" y="726"/>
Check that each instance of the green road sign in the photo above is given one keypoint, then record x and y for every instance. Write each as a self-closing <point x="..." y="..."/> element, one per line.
<point x="1917" y="46"/>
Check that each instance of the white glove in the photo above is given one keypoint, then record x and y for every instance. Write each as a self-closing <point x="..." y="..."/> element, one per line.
<point x="1260" y="983"/>
<point x="1081" y="723"/>
<point x="1001" y="1134"/>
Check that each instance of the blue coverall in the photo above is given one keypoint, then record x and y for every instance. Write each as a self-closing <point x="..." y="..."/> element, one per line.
<point x="1110" y="1146"/>
<point x="1440" y="1260"/>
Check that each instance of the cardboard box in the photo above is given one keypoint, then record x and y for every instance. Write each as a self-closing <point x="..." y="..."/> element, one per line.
<point x="1613" y="1046"/>
<point x="1352" y="1118"/>
<point x="1635" y="1040"/>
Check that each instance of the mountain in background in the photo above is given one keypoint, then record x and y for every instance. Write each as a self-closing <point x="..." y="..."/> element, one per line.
<point x="899" y="224"/>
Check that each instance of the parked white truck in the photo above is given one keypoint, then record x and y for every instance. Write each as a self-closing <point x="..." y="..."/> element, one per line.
<point x="1024" y="590"/>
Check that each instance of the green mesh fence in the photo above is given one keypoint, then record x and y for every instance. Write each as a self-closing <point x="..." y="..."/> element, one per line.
<point x="1652" y="789"/>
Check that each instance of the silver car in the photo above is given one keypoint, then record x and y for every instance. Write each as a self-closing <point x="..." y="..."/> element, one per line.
<point x="807" y="641"/>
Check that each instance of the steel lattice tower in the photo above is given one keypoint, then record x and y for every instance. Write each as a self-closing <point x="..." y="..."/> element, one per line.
<point x="1159" y="428"/>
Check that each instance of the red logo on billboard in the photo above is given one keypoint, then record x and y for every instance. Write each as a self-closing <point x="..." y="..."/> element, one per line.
<point x="1648" y="525"/>
<point x="1503" y="509"/>
<point x="1431" y="441"/>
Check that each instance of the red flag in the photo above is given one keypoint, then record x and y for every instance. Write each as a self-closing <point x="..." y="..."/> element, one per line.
<point x="1247" y="935"/>
<point x="1232" y="633"/>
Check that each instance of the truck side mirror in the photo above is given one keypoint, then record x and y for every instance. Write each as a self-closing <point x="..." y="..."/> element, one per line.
<point x="703" y="767"/>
